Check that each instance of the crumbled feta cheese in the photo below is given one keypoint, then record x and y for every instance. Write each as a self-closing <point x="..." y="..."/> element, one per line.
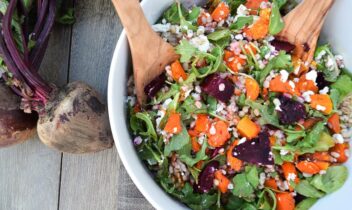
<point x="212" y="130"/>
<point x="284" y="75"/>
<point x="291" y="177"/>
<point x="277" y="104"/>
<point x="338" y="138"/>
<point x="222" y="87"/>
<point x="330" y="62"/>
<point x="230" y="186"/>
<point x="320" y="108"/>
<point x="312" y="75"/>
<point x="335" y="154"/>
<point x="166" y="103"/>
<point x="283" y="152"/>
<point x="242" y="10"/>
<point x="241" y="141"/>
<point x="325" y="90"/>
<point x="292" y="84"/>
<point x="306" y="95"/>
<point x="198" y="104"/>
<point x="239" y="37"/>
<point x="201" y="42"/>
<point x="216" y="182"/>
<point x="161" y="27"/>
<point x="320" y="55"/>
<point x="200" y="30"/>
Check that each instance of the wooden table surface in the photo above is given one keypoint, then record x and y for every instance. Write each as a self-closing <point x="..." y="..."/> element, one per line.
<point x="34" y="177"/>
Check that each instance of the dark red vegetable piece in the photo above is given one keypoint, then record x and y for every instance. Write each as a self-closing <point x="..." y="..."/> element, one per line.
<point x="206" y="177"/>
<point x="155" y="85"/>
<point x="282" y="45"/>
<point x="321" y="81"/>
<point x="255" y="151"/>
<point x="218" y="87"/>
<point x="292" y="111"/>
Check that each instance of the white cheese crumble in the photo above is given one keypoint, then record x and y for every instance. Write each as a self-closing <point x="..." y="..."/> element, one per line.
<point x="201" y="42"/>
<point x="212" y="130"/>
<point x="312" y="75"/>
<point x="161" y="27"/>
<point x="325" y="90"/>
<point x="242" y="11"/>
<point x="291" y="177"/>
<point x="222" y="87"/>
<point x="338" y="138"/>
<point x="277" y="104"/>
<point x="320" y="108"/>
<point x="284" y="75"/>
<point x="292" y="84"/>
<point x="283" y="152"/>
<point x="241" y="141"/>
<point x="306" y="95"/>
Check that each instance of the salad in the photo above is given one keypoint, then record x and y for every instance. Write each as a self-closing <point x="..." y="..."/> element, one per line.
<point x="239" y="121"/>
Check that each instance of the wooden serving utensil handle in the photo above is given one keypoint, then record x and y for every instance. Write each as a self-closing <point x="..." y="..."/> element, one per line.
<point x="303" y="25"/>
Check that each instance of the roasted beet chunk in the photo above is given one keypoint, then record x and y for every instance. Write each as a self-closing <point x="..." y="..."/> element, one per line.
<point x="292" y="111"/>
<point x="282" y="45"/>
<point x="206" y="177"/>
<point x="255" y="151"/>
<point x="321" y="82"/>
<point x="155" y="85"/>
<point x="218" y="87"/>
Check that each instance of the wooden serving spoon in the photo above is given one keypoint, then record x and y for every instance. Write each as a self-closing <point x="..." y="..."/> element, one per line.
<point x="150" y="53"/>
<point x="303" y="25"/>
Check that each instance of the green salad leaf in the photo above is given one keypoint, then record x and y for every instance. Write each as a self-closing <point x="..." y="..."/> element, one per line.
<point x="241" y="22"/>
<point x="220" y="34"/>
<point x="177" y="142"/>
<point x="306" y="204"/>
<point x="332" y="180"/>
<point x="282" y="61"/>
<point x="267" y="200"/>
<point x="201" y="155"/>
<point x="234" y="4"/>
<point x="186" y="50"/>
<point x="326" y="63"/>
<point x="242" y="187"/>
<point x="308" y="190"/>
<point x="252" y="175"/>
<point x="276" y="23"/>
<point x="141" y="123"/>
<point x="341" y="88"/>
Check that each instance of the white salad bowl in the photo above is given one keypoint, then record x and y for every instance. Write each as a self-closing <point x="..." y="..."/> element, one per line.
<point x="336" y="32"/>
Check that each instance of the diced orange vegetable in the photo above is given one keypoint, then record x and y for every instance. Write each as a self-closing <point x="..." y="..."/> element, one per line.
<point x="199" y="164"/>
<point x="334" y="123"/>
<point x="306" y="85"/>
<point x="237" y="92"/>
<point x="195" y="145"/>
<point x="202" y="123"/>
<point x="254" y="4"/>
<point x="285" y="201"/>
<point x="221" y="134"/>
<point x="322" y="165"/>
<point x="265" y="93"/>
<point x="276" y="85"/>
<point x="137" y="108"/>
<point x="204" y="18"/>
<point x="298" y="65"/>
<point x="177" y="71"/>
<point x="341" y="150"/>
<point x="290" y="171"/>
<point x="321" y="156"/>
<point x="258" y="30"/>
<point x="247" y="128"/>
<point x="173" y="124"/>
<point x="272" y="140"/>
<point x="223" y="181"/>
<point x="234" y="163"/>
<point x="221" y="12"/>
<point x="308" y="167"/>
<point x="265" y="13"/>
<point x="308" y="123"/>
<point x="193" y="133"/>
<point x="234" y="62"/>
<point x="252" y="89"/>
<point x="321" y="101"/>
<point x="271" y="183"/>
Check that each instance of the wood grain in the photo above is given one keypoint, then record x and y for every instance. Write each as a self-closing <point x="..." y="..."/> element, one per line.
<point x="303" y="25"/>
<point x="95" y="181"/>
<point x="30" y="172"/>
<point x="150" y="53"/>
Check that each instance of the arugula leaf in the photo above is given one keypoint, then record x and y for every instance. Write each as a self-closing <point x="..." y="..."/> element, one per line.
<point x="312" y="137"/>
<point x="241" y="22"/>
<point x="293" y="136"/>
<point x="308" y="190"/>
<point x="324" y="143"/>
<point x="142" y="123"/>
<point x="172" y="16"/>
<point x="148" y="154"/>
<point x="186" y="50"/>
<point x="333" y="180"/>
<point x="177" y="142"/>
<point x="184" y="24"/>
<point x="201" y="155"/>
<point x="66" y="17"/>
<point x="324" y="56"/>
<point x="220" y="34"/>
<point x="343" y="85"/>
<point x="282" y="61"/>
<point x="195" y="200"/>
<point x="242" y="187"/>
<point x="281" y="3"/>
<point x="252" y="175"/>
<point x="267" y="117"/>
<point x="335" y="97"/>
<point x="276" y="23"/>
<point x="174" y="89"/>
<point x="193" y="15"/>
<point x="188" y="108"/>
<point x="266" y="200"/>
<point x="306" y="204"/>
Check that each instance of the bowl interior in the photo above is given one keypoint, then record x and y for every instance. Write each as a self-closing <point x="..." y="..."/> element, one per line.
<point x="335" y="32"/>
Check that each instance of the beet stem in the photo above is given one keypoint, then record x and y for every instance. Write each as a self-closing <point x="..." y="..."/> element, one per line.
<point x="42" y="12"/>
